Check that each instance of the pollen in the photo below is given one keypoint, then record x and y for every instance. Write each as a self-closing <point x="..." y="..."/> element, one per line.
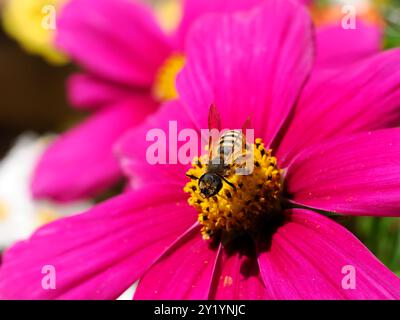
<point x="241" y="206"/>
<point x="164" y="88"/>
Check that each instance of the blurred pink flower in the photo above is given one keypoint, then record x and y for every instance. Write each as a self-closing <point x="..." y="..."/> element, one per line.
<point x="332" y="133"/>
<point x="122" y="49"/>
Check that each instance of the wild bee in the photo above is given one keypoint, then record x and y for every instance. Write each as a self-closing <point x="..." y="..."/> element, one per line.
<point x="225" y="156"/>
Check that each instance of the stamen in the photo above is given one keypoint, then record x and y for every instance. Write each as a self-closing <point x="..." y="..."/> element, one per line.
<point x="164" y="88"/>
<point x="238" y="209"/>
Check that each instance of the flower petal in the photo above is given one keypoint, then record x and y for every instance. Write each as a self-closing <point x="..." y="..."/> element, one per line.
<point x="144" y="166"/>
<point x="357" y="175"/>
<point x="119" y="40"/>
<point x="312" y="257"/>
<point x="263" y="82"/>
<point x="101" y="253"/>
<point x="81" y="162"/>
<point x="237" y="276"/>
<point x="338" y="47"/>
<point x="359" y="98"/>
<point x="194" y="9"/>
<point x="184" y="273"/>
<point x="88" y="92"/>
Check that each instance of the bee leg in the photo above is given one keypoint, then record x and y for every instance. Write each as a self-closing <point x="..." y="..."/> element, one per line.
<point x="229" y="183"/>
<point x="191" y="177"/>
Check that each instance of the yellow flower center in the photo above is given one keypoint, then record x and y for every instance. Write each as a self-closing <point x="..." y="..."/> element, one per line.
<point x="239" y="207"/>
<point x="164" y="86"/>
<point x="46" y="215"/>
<point x="168" y="13"/>
<point x="4" y="211"/>
<point x="32" y="23"/>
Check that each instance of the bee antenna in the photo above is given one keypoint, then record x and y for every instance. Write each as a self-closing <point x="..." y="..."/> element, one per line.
<point x="229" y="183"/>
<point x="192" y="177"/>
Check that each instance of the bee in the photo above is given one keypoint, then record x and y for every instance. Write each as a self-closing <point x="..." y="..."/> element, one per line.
<point x="225" y="156"/>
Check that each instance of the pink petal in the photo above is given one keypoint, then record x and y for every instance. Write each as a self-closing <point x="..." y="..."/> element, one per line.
<point x="119" y="40"/>
<point x="238" y="276"/>
<point x="81" y="162"/>
<point x="194" y="9"/>
<point x="337" y="47"/>
<point x="357" y="175"/>
<point x="307" y="256"/>
<point x="99" y="254"/>
<point x="359" y="98"/>
<point x="133" y="147"/>
<point x="185" y="273"/>
<point x="263" y="82"/>
<point x="89" y="92"/>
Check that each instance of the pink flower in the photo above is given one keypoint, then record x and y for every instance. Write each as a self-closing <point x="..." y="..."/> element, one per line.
<point x="129" y="68"/>
<point x="333" y="135"/>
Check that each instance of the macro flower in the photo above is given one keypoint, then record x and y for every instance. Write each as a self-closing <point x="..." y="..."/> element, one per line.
<point x="129" y="68"/>
<point x="20" y="215"/>
<point x="329" y="136"/>
<point x="30" y="22"/>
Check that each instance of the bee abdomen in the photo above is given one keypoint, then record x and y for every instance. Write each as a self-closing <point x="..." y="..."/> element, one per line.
<point x="229" y="141"/>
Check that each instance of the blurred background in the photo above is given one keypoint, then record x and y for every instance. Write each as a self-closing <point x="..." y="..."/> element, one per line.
<point x="32" y="93"/>
<point x="33" y="104"/>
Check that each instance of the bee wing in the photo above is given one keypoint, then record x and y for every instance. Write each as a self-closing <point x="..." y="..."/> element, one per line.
<point x="246" y="124"/>
<point x="214" y="118"/>
<point x="214" y="123"/>
<point x="240" y="156"/>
